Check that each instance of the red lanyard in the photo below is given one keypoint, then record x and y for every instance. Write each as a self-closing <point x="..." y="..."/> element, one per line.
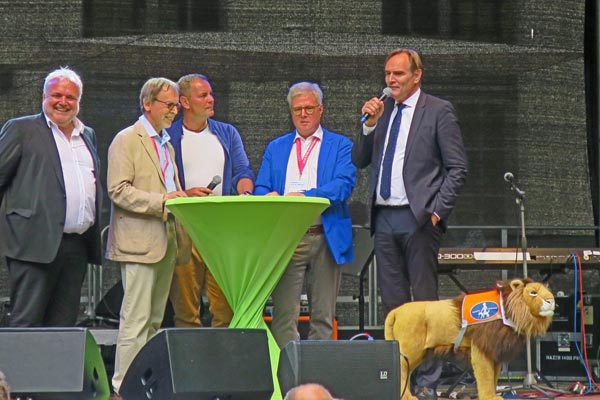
<point x="163" y="169"/>
<point x="303" y="160"/>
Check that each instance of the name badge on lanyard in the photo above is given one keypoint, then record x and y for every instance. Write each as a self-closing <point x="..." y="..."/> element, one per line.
<point x="300" y="185"/>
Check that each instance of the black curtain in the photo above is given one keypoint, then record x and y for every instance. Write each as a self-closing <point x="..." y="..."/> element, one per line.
<point x="591" y="44"/>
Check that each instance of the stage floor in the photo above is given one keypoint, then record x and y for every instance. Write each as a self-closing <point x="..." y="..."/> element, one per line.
<point x="452" y="387"/>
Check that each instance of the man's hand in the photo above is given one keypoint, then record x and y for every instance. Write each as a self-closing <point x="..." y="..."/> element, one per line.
<point x="172" y="195"/>
<point x="198" y="191"/>
<point x="272" y="194"/>
<point x="295" y="194"/>
<point x="245" y="186"/>
<point x="434" y="219"/>
<point x="374" y="108"/>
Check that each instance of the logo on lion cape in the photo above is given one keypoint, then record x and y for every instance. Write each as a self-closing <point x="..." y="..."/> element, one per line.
<point x="481" y="307"/>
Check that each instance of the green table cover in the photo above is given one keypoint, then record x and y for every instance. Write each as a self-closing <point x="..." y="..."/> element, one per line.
<point x="246" y="242"/>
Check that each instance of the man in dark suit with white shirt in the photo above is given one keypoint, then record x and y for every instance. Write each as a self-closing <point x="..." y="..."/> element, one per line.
<point x="49" y="205"/>
<point x="413" y="143"/>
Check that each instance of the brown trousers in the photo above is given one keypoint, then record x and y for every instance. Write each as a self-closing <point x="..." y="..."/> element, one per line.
<point x="189" y="280"/>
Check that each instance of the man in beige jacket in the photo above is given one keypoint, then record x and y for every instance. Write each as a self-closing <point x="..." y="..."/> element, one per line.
<point x="142" y="175"/>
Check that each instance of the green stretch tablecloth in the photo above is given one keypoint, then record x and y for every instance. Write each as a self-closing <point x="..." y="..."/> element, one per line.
<point x="246" y="242"/>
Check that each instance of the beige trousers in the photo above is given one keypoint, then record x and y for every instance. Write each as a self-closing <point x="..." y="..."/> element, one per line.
<point x="146" y="288"/>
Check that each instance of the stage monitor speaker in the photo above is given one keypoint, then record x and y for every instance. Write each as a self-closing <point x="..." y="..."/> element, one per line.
<point x="53" y="364"/>
<point x="352" y="370"/>
<point x="201" y="364"/>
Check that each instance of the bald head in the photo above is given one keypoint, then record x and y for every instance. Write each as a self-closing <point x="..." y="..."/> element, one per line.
<point x="308" y="391"/>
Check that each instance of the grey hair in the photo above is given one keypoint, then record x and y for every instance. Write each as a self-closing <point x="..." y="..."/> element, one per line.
<point x="305" y="88"/>
<point x="185" y="82"/>
<point x="64" y="73"/>
<point x="153" y="87"/>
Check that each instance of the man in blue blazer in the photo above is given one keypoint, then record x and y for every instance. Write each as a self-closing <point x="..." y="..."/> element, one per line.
<point x="414" y="146"/>
<point x="50" y="202"/>
<point x="311" y="161"/>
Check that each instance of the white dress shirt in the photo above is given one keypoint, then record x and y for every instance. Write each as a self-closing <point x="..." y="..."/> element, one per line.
<point x="299" y="182"/>
<point x="78" y="169"/>
<point x="166" y="163"/>
<point x="398" y="191"/>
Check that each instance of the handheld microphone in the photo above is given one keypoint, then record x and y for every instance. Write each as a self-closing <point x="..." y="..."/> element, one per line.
<point x="510" y="178"/>
<point x="215" y="181"/>
<point x="387" y="92"/>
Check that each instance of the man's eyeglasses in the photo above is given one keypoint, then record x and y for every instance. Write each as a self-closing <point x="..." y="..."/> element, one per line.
<point x="170" y="106"/>
<point x="309" y="110"/>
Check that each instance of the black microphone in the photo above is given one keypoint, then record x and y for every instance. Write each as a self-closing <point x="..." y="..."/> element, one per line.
<point x="510" y="178"/>
<point x="387" y="92"/>
<point x="215" y="181"/>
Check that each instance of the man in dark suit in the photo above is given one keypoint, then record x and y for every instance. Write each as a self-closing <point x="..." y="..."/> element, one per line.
<point x="49" y="205"/>
<point x="311" y="161"/>
<point x="413" y="143"/>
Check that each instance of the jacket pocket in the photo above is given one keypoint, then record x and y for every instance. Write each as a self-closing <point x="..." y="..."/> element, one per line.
<point x="23" y="212"/>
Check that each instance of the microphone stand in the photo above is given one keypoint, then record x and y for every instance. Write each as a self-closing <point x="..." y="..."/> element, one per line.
<point x="530" y="380"/>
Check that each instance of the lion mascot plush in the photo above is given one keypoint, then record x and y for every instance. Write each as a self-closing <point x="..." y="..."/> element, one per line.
<point x="439" y="328"/>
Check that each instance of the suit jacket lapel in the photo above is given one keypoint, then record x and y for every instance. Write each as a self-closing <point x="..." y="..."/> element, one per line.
<point x="323" y="156"/>
<point x="148" y="144"/>
<point x="175" y="168"/>
<point x="415" y="124"/>
<point x="381" y="133"/>
<point x="50" y="143"/>
<point x="92" y="149"/>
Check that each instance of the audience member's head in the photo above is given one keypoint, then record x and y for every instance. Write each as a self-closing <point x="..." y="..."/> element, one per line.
<point x="308" y="391"/>
<point x="4" y="388"/>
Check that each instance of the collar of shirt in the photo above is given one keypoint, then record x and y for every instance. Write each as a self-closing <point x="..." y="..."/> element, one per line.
<point x="77" y="125"/>
<point x="318" y="134"/>
<point x="162" y="139"/>
<point x="411" y="101"/>
<point x="204" y="131"/>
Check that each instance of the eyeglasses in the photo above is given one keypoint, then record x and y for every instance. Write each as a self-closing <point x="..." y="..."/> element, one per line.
<point x="309" y="110"/>
<point x="170" y="106"/>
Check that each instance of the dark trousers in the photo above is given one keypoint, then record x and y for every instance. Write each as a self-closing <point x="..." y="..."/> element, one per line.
<point x="48" y="294"/>
<point x="407" y="268"/>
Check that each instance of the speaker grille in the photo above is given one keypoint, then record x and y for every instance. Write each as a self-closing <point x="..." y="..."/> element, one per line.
<point x="352" y="370"/>
<point x="201" y="364"/>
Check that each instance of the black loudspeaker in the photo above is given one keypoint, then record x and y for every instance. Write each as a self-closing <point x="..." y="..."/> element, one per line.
<point x="201" y="364"/>
<point x="352" y="370"/>
<point x="53" y="364"/>
<point x="109" y="307"/>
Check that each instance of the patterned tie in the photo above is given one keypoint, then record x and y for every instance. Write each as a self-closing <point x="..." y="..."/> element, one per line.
<point x="388" y="157"/>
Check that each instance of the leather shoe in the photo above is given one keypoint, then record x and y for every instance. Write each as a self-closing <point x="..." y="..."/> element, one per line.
<point x="425" y="393"/>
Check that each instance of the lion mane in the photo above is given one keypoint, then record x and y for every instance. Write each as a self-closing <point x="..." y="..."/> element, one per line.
<point x="426" y="328"/>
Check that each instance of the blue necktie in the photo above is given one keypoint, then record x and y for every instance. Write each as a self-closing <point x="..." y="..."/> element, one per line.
<point x="388" y="157"/>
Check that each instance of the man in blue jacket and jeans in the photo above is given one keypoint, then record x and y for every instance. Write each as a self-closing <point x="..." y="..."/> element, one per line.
<point x="311" y="161"/>
<point x="204" y="149"/>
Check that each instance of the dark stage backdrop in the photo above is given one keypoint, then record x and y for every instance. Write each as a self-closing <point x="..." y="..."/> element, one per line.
<point x="514" y="70"/>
